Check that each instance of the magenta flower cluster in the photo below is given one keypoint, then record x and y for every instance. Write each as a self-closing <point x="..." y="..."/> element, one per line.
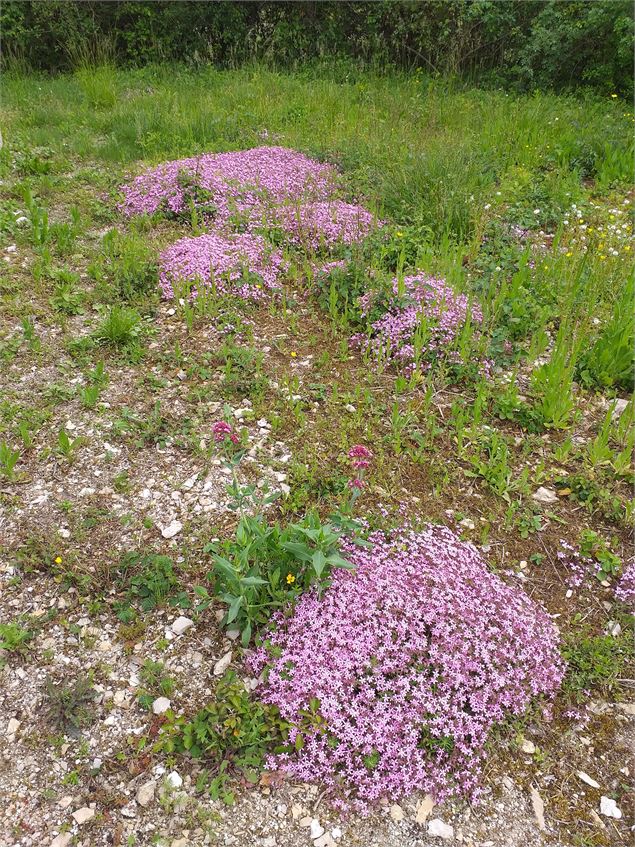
<point x="243" y="265"/>
<point x="252" y="192"/>
<point x="424" y="300"/>
<point x="244" y="181"/>
<point x="625" y="590"/>
<point x="396" y="675"/>
<point x="222" y="431"/>
<point x="360" y="457"/>
<point x="315" y="226"/>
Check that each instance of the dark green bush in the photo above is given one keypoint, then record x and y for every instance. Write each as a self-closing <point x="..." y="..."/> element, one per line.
<point x="522" y="43"/>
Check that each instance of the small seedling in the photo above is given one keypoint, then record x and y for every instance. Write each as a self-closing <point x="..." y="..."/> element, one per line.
<point x="8" y="460"/>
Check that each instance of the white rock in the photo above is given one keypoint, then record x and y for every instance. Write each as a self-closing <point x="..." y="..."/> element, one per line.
<point x="467" y="523"/>
<point x="586" y="778"/>
<point x="316" y="829"/>
<point x="84" y="814"/>
<point x="13" y="726"/>
<point x="269" y="841"/>
<point x="620" y="406"/>
<point x="424" y="808"/>
<point x="440" y="829"/>
<point x="336" y="832"/>
<point x="324" y="841"/>
<point x="528" y="747"/>
<point x="609" y="808"/>
<point x="396" y="812"/>
<point x="62" y="840"/>
<point x="175" y="780"/>
<point x="172" y="529"/>
<point x="181" y="624"/>
<point x="145" y="793"/>
<point x="222" y="664"/>
<point x="538" y="806"/>
<point x="545" y="495"/>
<point x="129" y="810"/>
<point x="161" y="705"/>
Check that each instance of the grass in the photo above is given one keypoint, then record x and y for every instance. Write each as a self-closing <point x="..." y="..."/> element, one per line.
<point x="520" y="202"/>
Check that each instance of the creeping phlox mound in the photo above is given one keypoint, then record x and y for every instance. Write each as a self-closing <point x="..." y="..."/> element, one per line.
<point x="318" y="225"/>
<point x="242" y="264"/>
<point x="422" y="322"/>
<point x="241" y="182"/>
<point x="394" y="678"/>
<point x="257" y="193"/>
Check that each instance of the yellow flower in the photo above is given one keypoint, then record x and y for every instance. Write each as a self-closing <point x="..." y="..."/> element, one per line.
<point x="294" y="355"/>
<point x="58" y="560"/>
<point x="614" y="96"/>
<point x="290" y="579"/>
<point x="569" y="253"/>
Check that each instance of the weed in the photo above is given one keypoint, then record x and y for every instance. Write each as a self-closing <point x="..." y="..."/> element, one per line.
<point x="8" y="460"/>
<point x="233" y="732"/>
<point x="69" y="705"/>
<point x="67" y="446"/>
<point x="120" y="328"/>
<point x="15" y="636"/>
<point x="156" y="683"/>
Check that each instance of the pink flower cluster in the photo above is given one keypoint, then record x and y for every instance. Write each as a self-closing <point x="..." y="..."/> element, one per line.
<point x="242" y="182"/>
<point x="315" y="226"/>
<point x="579" y="567"/>
<point x="241" y="264"/>
<point x="625" y="590"/>
<point x="409" y="662"/>
<point x="425" y="300"/>
<point x="360" y="457"/>
<point x="222" y="430"/>
<point x="253" y="192"/>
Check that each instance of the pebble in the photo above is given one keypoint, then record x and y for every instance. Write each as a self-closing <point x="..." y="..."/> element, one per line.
<point x="161" y="705"/>
<point x="467" y="523"/>
<point x="609" y="809"/>
<point x="528" y="747"/>
<point x="13" y="726"/>
<point x="316" y="828"/>
<point x="586" y="778"/>
<point x="172" y="529"/>
<point x="84" y="814"/>
<point x="181" y="624"/>
<point x="222" y="664"/>
<point x="620" y="406"/>
<point x="396" y="813"/>
<point x="440" y="829"/>
<point x="62" y="840"/>
<point x="545" y="495"/>
<point x="424" y="808"/>
<point x="539" y="809"/>
<point x="324" y="841"/>
<point x="175" y="780"/>
<point x="336" y="832"/>
<point x="145" y="793"/>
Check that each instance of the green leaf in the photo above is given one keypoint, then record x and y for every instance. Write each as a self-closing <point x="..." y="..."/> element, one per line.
<point x="234" y="608"/>
<point x="319" y="562"/>
<point x="253" y="580"/>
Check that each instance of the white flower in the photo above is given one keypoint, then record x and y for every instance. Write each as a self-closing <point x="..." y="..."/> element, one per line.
<point x="536" y="211"/>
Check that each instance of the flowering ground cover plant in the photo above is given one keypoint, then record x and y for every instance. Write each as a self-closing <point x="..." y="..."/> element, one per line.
<point x="242" y="265"/>
<point x="422" y="321"/>
<point x="424" y="652"/>
<point x="228" y="184"/>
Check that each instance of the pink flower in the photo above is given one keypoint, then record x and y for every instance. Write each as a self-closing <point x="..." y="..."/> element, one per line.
<point x="223" y="430"/>
<point x="359" y="451"/>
